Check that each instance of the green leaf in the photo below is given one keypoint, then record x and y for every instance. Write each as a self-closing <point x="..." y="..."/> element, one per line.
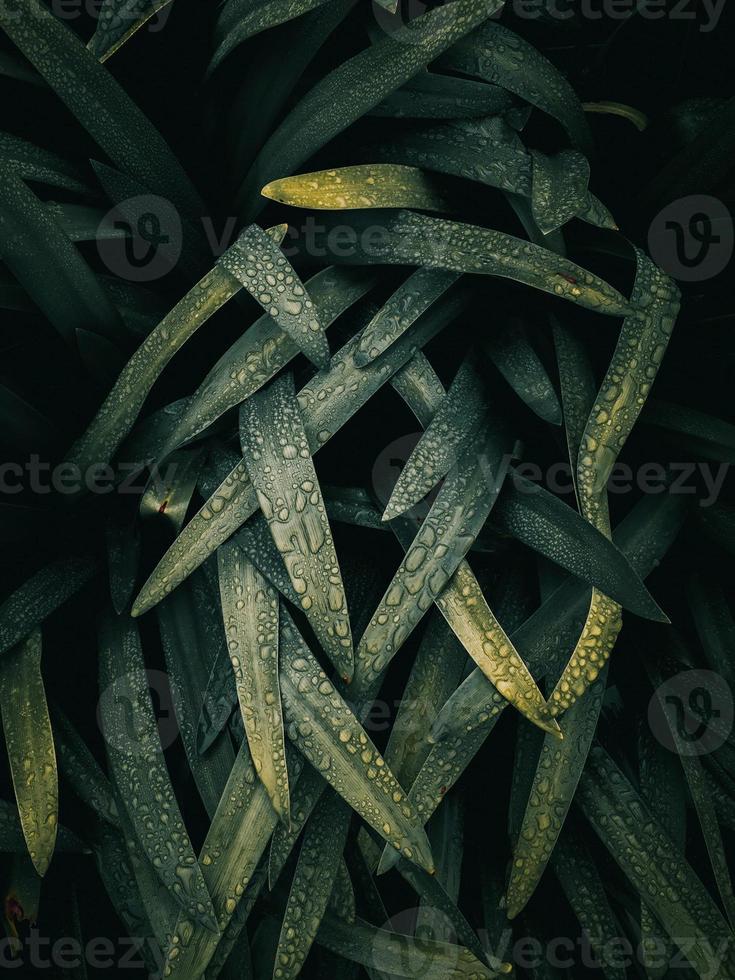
<point x="718" y="524"/>
<point x="358" y="85"/>
<point x="462" y="602"/>
<point x="266" y="273"/>
<point x="471" y="712"/>
<point x="168" y="494"/>
<point x="250" y="614"/>
<point x="242" y="19"/>
<point x="435" y="553"/>
<point x="406" y="238"/>
<point x="179" y="230"/>
<point x="584" y="890"/>
<point x="267" y="80"/>
<point x="650" y="859"/>
<point x="325" y="409"/>
<point x="12" y="840"/>
<point x="99" y="103"/>
<point x="312" y="884"/>
<point x="121" y="408"/>
<point x="136" y="760"/>
<point x="714" y="622"/>
<point x="520" y="365"/>
<point x="489" y="151"/>
<point x="662" y="670"/>
<point x="30" y="744"/>
<point x="118" y="880"/>
<point x="229" y="857"/>
<point x="277" y="455"/>
<point x="545" y="523"/>
<point x="662" y="787"/>
<point x="118" y="21"/>
<point x="397" y="955"/>
<point x="41" y="256"/>
<point x="434" y="96"/>
<point x="305" y="797"/>
<point x="403" y="307"/>
<point x="634" y="365"/>
<point x="691" y="431"/>
<point x="40" y="595"/>
<point x="325" y="730"/>
<point x="578" y="388"/>
<point x="262" y="351"/>
<point x="438" y="912"/>
<point x="80" y="768"/>
<point x="501" y="57"/>
<point x="159" y="904"/>
<point x="436" y="672"/>
<point x="448" y="434"/>
<point x="559" y="188"/>
<point x="554" y="784"/>
<point x="35" y="163"/>
<point x="190" y="626"/>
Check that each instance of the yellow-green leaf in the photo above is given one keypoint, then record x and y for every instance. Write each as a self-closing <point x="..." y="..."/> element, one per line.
<point x="30" y="744"/>
<point x="377" y="185"/>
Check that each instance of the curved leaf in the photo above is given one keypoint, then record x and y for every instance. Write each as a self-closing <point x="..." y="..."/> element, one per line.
<point x="650" y="859"/>
<point x="581" y="883"/>
<point x="92" y="94"/>
<point x="122" y="406"/>
<point x="396" y="955"/>
<point x="228" y="860"/>
<point x="434" y="96"/>
<point x="30" y="744"/>
<point x="41" y="256"/>
<point x="38" y="164"/>
<point x="435" y="553"/>
<point x="41" y="595"/>
<point x="520" y="365"/>
<point x="501" y="57"/>
<point x="118" y="20"/>
<point x="240" y="21"/>
<point x="462" y="602"/>
<point x="407" y="238"/>
<point x="545" y="523"/>
<point x="639" y="352"/>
